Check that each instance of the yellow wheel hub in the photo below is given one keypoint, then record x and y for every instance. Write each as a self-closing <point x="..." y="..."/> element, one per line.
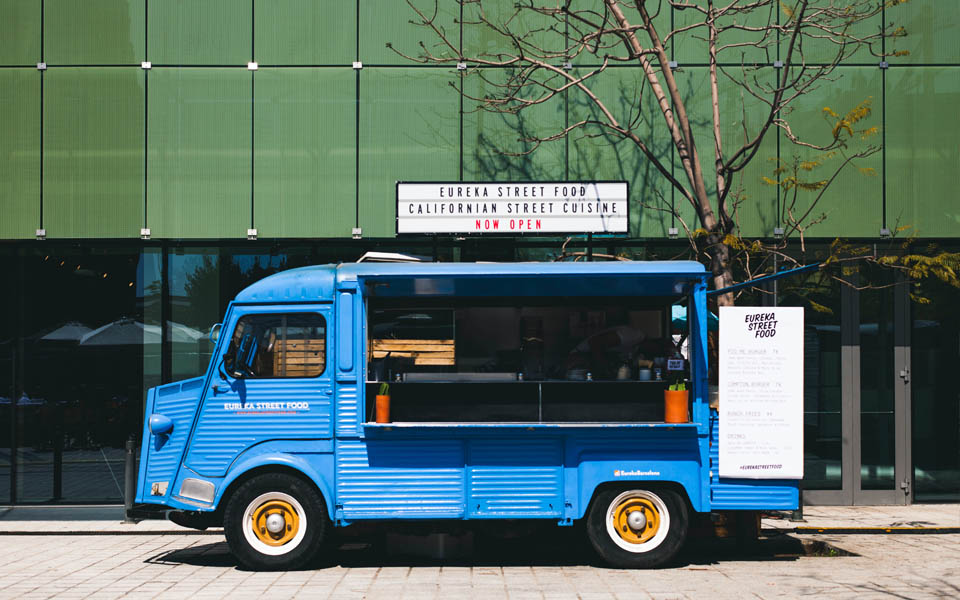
<point x="636" y="528"/>
<point x="275" y="522"/>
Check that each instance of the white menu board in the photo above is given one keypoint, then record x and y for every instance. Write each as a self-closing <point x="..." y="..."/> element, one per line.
<point x="761" y="392"/>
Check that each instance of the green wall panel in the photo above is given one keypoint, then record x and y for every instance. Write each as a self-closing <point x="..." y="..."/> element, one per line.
<point x="93" y="152"/>
<point x="212" y="32"/>
<point x="19" y="152"/>
<point x="94" y="32"/>
<point x="595" y="153"/>
<point x="498" y="146"/>
<point x="305" y="32"/>
<point x="305" y="141"/>
<point x="539" y="35"/>
<point x="19" y="32"/>
<point x="383" y="23"/>
<point x="923" y="151"/>
<point x="933" y="32"/>
<point x="199" y="150"/>
<point x="409" y="131"/>
<point x="853" y="203"/>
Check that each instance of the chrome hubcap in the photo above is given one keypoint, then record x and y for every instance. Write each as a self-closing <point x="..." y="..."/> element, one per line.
<point x="275" y="523"/>
<point x="637" y="520"/>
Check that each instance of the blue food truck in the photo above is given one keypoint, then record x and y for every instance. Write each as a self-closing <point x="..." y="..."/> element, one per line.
<point x="515" y="391"/>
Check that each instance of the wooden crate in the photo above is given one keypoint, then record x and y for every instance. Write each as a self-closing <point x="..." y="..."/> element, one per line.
<point x="423" y="352"/>
<point x="299" y="358"/>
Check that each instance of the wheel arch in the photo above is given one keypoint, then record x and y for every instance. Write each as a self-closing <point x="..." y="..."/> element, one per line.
<point x="651" y="485"/>
<point x="245" y="470"/>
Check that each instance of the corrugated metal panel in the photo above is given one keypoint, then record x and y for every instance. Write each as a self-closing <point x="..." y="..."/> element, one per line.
<point x="348" y="404"/>
<point x="746" y="494"/>
<point x="178" y="402"/>
<point x="388" y="479"/>
<point x="498" y="483"/>
<point x="222" y="433"/>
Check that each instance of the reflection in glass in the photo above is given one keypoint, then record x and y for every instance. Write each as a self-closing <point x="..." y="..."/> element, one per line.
<point x="877" y="435"/>
<point x="83" y="362"/>
<point x="935" y="354"/>
<point x="819" y="294"/>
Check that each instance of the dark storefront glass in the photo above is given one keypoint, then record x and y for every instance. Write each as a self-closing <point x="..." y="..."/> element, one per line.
<point x="877" y="419"/>
<point x="935" y="356"/>
<point x="819" y="294"/>
<point x="83" y="372"/>
<point x="8" y="348"/>
<point x="203" y="280"/>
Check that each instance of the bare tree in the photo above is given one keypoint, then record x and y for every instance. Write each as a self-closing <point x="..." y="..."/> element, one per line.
<point x="534" y="43"/>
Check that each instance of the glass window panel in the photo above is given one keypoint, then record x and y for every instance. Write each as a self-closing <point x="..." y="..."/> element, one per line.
<point x="409" y="131"/>
<point x="93" y="152"/>
<point x="196" y="304"/>
<point x="538" y="34"/>
<point x="20" y="32"/>
<point x="394" y="23"/>
<point x="935" y="399"/>
<point x="212" y="32"/>
<point x="932" y="28"/>
<point x="198" y="174"/>
<point x="499" y="146"/>
<point x="596" y="153"/>
<point x="9" y="307"/>
<point x="922" y="158"/>
<point x="751" y="203"/>
<point x="819" y="294"/>
<point x="736" y="45"/>
<point x="815" y="46"/>
<point x="19" y="152"/>
<point x="852" y="205"/>
<point x="305" y="164"/>
<point x="94" y="32"/>
<point x="877" y="379"/>
<point x="83" y="363"/>
<point x="306" y="32"/>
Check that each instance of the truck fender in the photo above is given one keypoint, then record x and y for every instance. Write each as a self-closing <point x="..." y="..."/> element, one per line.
<point x="310" y="464"/>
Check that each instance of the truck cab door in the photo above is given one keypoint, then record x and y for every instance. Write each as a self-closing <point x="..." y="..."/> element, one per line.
<point x="271" y="379"/>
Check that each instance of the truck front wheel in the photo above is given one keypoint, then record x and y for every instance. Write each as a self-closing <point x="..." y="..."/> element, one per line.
<point x="275" y="522"/>
<point x="638" y="528"/>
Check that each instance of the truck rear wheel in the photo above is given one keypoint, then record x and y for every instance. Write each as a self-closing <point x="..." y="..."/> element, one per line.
<point x="637" y="528"/>
<point x="275" y="522"/>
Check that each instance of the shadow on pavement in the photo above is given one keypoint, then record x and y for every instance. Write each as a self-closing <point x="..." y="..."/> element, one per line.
<point x="550" y="548"/>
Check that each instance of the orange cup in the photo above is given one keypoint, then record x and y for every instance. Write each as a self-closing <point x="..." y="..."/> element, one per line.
<point x="383" y="409"/>
<point x="676" y="407"/>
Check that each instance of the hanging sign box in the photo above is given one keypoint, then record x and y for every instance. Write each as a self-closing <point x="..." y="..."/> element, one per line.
<point x="761" y="392"/>
<point x="513" y="208"/>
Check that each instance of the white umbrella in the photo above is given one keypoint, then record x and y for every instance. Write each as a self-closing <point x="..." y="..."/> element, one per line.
<point x="126" y="332"/>
<point x="69" y="332"/>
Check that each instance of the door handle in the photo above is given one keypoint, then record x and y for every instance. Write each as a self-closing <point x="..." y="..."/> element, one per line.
<point x="327" y="392"/>
<point x="219" y="389"/>
<point x="905" y="375"/>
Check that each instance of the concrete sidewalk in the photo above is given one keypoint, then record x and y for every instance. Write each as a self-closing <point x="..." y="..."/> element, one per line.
<point x="917" y="518"/>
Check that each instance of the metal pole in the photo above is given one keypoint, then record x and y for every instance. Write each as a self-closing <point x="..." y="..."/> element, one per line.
<point x="129" y="480"/>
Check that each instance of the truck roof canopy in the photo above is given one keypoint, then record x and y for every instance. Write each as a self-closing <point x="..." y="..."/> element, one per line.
<point x="621" y="278"/>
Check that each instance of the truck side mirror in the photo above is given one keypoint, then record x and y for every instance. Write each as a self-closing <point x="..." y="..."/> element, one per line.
<point x="215" y="333"/>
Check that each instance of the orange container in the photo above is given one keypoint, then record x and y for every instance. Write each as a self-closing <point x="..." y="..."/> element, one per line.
<point x="383" y="409"/>
<point x="676" y="406"/>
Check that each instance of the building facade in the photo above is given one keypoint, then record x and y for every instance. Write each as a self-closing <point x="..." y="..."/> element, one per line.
<point x="156" y="157"/>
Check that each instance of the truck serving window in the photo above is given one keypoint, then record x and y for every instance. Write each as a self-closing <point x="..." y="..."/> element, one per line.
<point x="279" y="345"/>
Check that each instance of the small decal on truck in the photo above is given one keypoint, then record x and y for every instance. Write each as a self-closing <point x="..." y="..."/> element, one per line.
<point x="635" y="473"/>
